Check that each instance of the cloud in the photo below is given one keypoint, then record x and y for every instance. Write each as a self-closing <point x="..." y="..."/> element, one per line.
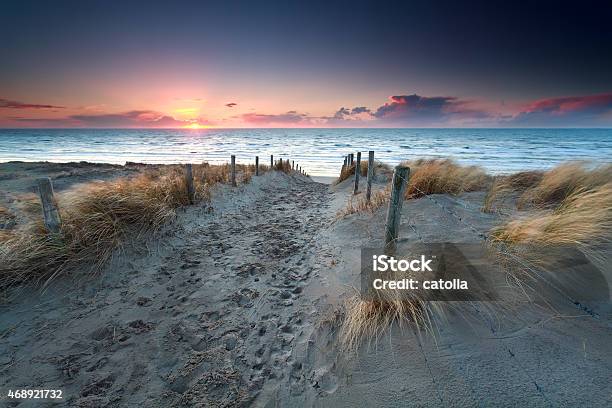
<point x="135" y="118"/>
<point x="342" y="113"/>
<point x="413" y="110"/>
<point x="130" y="119"/>
<point x="359" y="109"/>
<point x="430" y="111"/>
<point x="567" y="111"/>
<point x="288" y="118"/>
<point x="5" y="103"/>
<point x="231" y="104"/>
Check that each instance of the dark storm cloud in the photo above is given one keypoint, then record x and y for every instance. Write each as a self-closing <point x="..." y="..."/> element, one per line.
<point x="428" y="110"/>
<point x="5" y="103"/>
<point x="359" y="109"/>
<point x="341" y="113"/>
<point x="415" y="106"/>
<point x="349" y="114"/>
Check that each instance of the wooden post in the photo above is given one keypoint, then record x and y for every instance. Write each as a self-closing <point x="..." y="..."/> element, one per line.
<point x="233" y="170"/>
<point x="343" y="165"/>
<point x="357" y="172"/>
<point x="292" y="165"/>
<point x="281" y="163"/>
<point x="352" y="156"/>
<point x="398" y="189"/>
<point x="51" y="214"/>
<point x="271" y="162"/>
<point x="257" y="165"/>
<point x="370" y="174"/>
<point x="189" y="183"/>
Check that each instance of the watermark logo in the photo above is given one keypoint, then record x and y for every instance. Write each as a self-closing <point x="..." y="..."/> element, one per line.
<point x="437" y="271"/>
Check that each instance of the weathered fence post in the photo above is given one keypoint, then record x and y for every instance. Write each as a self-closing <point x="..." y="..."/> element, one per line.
<point x="343" y="165"/>
<point x="51" y="214"/>
<point x="233" y="170"/>
<point x="357" y="172"/>
<point x="271" y="162"/>
<point x="257" y="165"/>
<point x="292" y="165"/>
<point x="398" y="189"/>
<point x="189" y="183"/>
<point x="281" y="163"/>
<point x="370" y="174"/>
<point x="352" y="158"/>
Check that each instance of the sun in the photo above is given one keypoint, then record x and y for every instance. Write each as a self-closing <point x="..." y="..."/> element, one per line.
<point x="194" y="125"/>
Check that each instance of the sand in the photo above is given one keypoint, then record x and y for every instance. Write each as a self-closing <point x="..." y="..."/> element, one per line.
<point x="234" y="304"/>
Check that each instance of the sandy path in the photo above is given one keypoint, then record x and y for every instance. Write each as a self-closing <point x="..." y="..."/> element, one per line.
<point x="230" y="308"/>
<point x="206" y="317"/>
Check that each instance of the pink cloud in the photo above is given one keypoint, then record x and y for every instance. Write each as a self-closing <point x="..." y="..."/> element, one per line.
<point x="589" y="110"/>
<point x="568" y="104"/>
<point x="5" y="103"/>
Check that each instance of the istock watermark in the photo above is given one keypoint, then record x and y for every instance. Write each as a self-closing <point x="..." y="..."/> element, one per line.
<point x="473" y="272"/>
<point x="437" y="271"/>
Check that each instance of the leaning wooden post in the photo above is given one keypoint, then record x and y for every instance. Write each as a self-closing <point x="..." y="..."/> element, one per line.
<point x="257" y="165"/>
<point x="271" y="162"/>
<point x="189" y="183"/>
<point x="357" y="172"/>
<point x="233" y="170"/>
<point x="370" y="174"/>
<point x="51" y="214"/>
<point x="398" y="189"/>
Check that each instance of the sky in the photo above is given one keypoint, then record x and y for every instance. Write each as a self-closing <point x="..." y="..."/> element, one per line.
<point x="153" y="64"/>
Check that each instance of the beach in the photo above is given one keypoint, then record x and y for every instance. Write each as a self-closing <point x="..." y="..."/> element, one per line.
<point x="237" y="302"/>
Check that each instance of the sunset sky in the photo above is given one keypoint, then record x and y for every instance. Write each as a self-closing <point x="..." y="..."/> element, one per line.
<point x="305" y="64"/>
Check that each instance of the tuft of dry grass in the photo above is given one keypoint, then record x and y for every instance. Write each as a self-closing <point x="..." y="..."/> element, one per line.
<point x="504" y="185"/>
<point x="99" y="218"/>
<point x="442" y="176"/>
<point x="379" y="168"/>
<point x="6" y="218"/>
<point x="358" y="204"/>
<point x="563" y="181"/>
<point x="584" y="219"/>
<point x="284" y="166"/>
<point x="368" y="319"/>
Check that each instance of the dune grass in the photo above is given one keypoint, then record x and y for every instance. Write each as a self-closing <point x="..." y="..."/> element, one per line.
<point x="368" y="319"/>
<point x="442" y="176"/>
<point x="568" y="205"/>
<point x="99" y="218"/>
<point x="583" y="219"/>
<point x="562" y="182"/>
<point x="359" y="204"/>
<point x="502" y="186"/>
<point x="379" y="168"/>
<point x="428" y="176"/>
<point x="284" y="166"/>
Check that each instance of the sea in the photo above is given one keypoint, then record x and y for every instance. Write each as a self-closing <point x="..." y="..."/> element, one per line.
<point x="319" y="151"/>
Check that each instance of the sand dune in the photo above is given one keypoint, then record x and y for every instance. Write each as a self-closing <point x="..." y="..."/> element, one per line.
<point x="237" y="302"/>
